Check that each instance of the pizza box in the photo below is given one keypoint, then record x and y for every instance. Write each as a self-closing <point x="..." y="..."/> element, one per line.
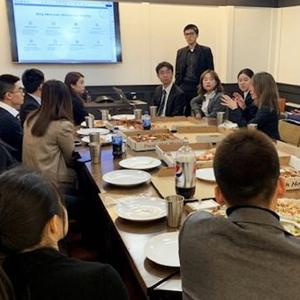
<point x="167" y="153"/>
<point x="149" y="144"/>
<point x="172" y="123"/>
<point x="200" y="134"/>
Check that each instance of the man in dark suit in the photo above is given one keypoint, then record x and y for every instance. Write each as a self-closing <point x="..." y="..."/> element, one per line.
<point x="11" y="98"/>
<point x="33" y="80"/>
<point x="249" y="254"/>
<point x="168" y="97"/>
<point x="191" y="62"/>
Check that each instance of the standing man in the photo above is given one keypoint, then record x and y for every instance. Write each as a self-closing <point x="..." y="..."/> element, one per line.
<point x="33" y="80"/>
<point x="191" y="62"/>
<point x="11" y="98"/>
<point x="168" y="97"/>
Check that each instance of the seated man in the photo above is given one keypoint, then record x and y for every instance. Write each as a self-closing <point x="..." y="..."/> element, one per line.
<point x="33" y="80"/>
<point x="247" y="255"/>
<point x="168" y="97"/>
<point x="11" y="98"/>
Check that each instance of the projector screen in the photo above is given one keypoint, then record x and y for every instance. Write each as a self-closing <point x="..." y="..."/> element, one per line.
<point x="64" y="31"/>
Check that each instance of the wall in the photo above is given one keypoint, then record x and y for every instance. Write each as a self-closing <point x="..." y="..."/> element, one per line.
<point x="288" y="52"/>
<point x="239" y="37"/>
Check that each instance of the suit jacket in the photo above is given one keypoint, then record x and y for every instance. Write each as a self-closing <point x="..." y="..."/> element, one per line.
<point x="29" y="105"/>
<point x="214" y="105"/>
<point x="176" y="100"/>
<point x="11" y="132"/>
<point x="7" y="159"/>
<point x="266" y="120"/>
<point x="47" y="274"/>
<point x="51" y="153"/>
<point x="79" y="111"/>
<point x="249" y="255"/>
<point x="204" y="61"/>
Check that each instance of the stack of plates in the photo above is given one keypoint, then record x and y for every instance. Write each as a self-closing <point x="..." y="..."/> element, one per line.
<point x="87" y="131"/>
<point x="105" y="139"/>
<point x="123" y="117"/>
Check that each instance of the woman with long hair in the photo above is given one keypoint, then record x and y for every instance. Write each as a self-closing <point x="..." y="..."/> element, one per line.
<point x="244" y="100"/>
<point x="210" y="91"/>
<point x="33" y="220"/>
<point x="48" y="142"/>
<point x="75" y="83"/>
<point x="264" y="92"/>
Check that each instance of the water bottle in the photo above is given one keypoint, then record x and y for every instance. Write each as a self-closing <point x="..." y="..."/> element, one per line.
<point x="146" y="121"/>
<point x="185" y="180"/>
<point x="117" y="143"/>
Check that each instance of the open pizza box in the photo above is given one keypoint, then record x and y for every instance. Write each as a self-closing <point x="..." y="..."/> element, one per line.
<point x="172" y="123"/>
<point x="167" y="153"/>
<point x="145" y="140"/>
<point x="164" y="182"/>
<point x="200" y="134"/>
<point x="290" y="169"/>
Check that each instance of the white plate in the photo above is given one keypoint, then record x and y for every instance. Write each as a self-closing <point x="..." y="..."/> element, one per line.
<point x="126" y="177"/>
<point x="123" y="117"/>
<point x="140" y="163"/>
<point x="206" y="174"/>
<point x="163" y="249"/>
<point x="141" y="208"/>
<point x="87" y="131"/>
<point x="106" y="139"/>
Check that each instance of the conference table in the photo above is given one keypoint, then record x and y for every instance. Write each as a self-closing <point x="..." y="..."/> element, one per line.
<point x="121" y="242"/>
<point x="123" y="238"/>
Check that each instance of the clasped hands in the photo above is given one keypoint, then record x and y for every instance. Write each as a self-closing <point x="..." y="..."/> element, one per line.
<point x="233" y="103"/>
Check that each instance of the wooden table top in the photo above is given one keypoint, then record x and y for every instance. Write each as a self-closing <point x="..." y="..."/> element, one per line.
<point x="134" y="235"/>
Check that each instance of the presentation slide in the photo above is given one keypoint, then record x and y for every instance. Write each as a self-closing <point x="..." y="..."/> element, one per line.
<point x="66" y="31"/>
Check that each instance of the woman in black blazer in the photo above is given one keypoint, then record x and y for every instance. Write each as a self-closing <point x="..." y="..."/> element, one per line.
<point x="32" y="221"/>
<point x="264" y="92"/>
<point x="76" y="85"/>
<point x="245" y="101"/>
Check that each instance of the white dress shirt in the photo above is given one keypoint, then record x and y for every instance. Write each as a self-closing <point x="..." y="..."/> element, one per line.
<point x="9" y="108"/>
<point x="205" y="103"/>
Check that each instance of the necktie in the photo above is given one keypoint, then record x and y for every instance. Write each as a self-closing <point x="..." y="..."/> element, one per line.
<point x="162" y="103"/>
<point x="18" y="116"/>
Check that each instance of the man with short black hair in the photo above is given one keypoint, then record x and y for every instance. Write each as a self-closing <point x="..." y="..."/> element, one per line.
<point x="247" y="255"/>
<point x="191" y="62"/>
<point x="11" y="98"/>
<point x="33" y="80"/>
<point x="168" y="97"/>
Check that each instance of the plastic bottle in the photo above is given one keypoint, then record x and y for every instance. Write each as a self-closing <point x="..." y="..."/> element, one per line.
<point x="185" y="180"/>
<point x="146" y="121"/>
<point x="117" y="143"/>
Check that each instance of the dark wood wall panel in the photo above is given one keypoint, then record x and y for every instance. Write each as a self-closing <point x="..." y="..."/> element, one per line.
<point x="145" y="92"/>
<point x="257" y="3"/>
<point x="285" y="3"/>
